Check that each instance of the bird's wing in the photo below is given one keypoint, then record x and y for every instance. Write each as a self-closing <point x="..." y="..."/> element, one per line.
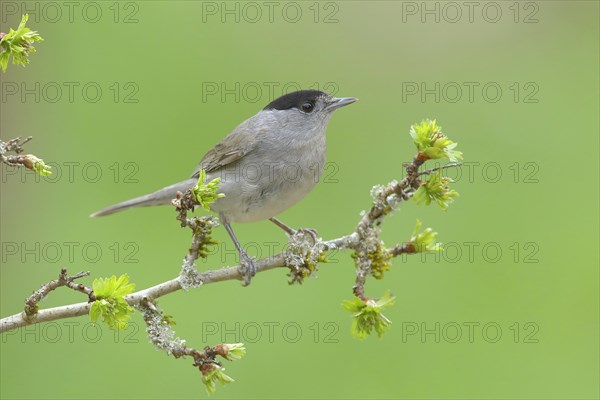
<point x="232" y="148"/>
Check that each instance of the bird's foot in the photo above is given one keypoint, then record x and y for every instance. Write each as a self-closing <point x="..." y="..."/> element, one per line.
<point x="310" y="231"/>
<point x="247" y="268"/>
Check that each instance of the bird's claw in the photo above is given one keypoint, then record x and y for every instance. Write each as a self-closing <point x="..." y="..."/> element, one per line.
<point x="312" y="232"/>
<point x="247" y="268"/>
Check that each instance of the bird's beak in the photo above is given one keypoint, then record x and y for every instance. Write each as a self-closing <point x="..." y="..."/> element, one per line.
<point x="338" y="102"/>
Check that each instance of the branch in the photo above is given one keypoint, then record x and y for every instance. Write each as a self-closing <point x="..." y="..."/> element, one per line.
<point x="371" y="256"/>
<point x="160" y="290"/>
<point x="31" y="304"/>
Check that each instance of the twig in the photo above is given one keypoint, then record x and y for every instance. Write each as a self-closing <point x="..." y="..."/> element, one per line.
<point x="28" y="161"/>
<point x="432" y="170"/>
<point x="404" y="248"/>
<point x="15" y="145"/>
<point x="201" y="229"/>
<point x="163" y="337"/>
<point x="31" y="304"/>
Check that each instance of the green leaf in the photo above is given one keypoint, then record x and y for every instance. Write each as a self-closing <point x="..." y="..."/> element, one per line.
<point x="95" y="311"/>
<point x="430" y="141"/>
<point x="354" y="305"/>
<point x="18" y="44"/>
<point x="367" y="315"/>
<point x="36" y="164"/>
<point x="41" y="168"/>
<point x="425" y="240"/>
<point x="4" y="57"/>
<point x="123" y="287"/>
<point x="424" y="133"/>
<point x="206" y="194"/>
<point x="436" y="189"/>
<point x="235" y="351"/>
<point x="212" y="376"/>
<point x="110" y="301"/>
<point x="112" y="287"/>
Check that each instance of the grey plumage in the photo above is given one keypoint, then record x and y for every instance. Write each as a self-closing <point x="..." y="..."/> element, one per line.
<point x="266" y="164"/>
<point x="158" y="198"/>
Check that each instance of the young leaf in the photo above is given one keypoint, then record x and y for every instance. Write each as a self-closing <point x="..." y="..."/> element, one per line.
<point x="18" y="44"/>
<point x="425" y="240"/>
<point x="235" y="351"/>
<point x="367" y="315"/>
<point x="432" y="143"/>
<point x="110" y="302"/>
<point x="206" y="194"/>
<point x="95" y="311"/>
<point x="436" y="189"/>
<point x="214" y="374"/>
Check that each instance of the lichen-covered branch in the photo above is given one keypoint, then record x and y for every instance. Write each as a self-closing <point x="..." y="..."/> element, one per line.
<point x="161" y="335"/>
<point x="201" y="228"/>
<point x="370" y="254"/>
<point x="163" y="289"/>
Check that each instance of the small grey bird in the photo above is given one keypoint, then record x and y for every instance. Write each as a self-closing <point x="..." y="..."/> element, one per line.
<point x="266" y="164"/>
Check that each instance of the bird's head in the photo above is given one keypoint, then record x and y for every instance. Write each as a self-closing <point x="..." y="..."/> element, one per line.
<point x="307" y="109"/>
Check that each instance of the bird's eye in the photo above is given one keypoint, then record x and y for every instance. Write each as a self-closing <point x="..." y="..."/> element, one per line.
<point x="307" y="107"/>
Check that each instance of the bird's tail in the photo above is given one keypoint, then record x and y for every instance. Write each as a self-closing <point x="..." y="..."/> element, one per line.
<point x="160" y="197"/>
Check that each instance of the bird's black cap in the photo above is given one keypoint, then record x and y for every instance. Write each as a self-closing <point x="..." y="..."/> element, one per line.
<point x="294" y="99"/>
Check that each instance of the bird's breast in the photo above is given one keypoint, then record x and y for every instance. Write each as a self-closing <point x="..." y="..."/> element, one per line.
<point x="267" y="182"/>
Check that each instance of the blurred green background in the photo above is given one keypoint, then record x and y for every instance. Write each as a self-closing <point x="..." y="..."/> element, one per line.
<point x="509" y="311"/>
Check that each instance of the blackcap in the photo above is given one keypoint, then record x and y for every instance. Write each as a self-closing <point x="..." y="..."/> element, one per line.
<point x="266" y="164"/>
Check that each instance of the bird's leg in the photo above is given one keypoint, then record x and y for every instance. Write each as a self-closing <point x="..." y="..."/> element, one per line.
<point x="291" y="231"/>
<point x="247" y="267"/>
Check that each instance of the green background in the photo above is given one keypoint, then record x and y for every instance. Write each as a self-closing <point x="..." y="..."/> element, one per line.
<point x="548" y="211"/>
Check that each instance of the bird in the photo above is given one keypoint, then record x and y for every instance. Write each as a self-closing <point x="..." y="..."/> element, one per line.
<point x="266" y="165"/>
